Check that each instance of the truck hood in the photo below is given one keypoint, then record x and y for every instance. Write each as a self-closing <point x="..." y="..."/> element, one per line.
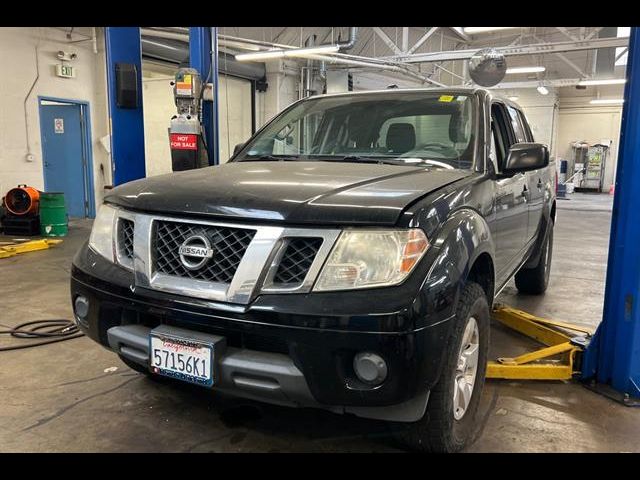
<point x="289" y="192"/>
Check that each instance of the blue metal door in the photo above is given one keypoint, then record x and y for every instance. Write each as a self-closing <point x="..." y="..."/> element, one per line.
<point x="63" y="154"/>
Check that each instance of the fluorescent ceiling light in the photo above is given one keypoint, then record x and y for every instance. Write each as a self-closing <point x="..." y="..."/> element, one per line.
<point x="247" y="57"/>
<point x="607" y="101"/>
<point x="296" y="52"/>
<point x="542" y="90"/>
<point x="473" y="30"/>
<point x="513" y="98"/>
<point x="610" y="81"/>
<point x="302" y="52"/>
<point x="526" y="69"/>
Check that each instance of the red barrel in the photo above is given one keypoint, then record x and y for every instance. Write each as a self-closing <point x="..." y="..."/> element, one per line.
<point x="22" y="201"/>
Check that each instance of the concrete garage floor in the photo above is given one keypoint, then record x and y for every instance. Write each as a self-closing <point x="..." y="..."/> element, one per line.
<point x="75" y="396"/>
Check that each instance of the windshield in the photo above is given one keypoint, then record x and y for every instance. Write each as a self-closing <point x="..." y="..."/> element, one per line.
<point x="404" y="128"/>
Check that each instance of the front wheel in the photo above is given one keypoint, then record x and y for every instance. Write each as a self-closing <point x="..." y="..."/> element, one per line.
<point x="450" y="420"/>
<point x="534" y="281"/>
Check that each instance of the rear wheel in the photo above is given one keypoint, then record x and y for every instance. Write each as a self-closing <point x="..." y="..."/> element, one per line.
<point x="534" y="281"/>
<point x="450" y="420"/>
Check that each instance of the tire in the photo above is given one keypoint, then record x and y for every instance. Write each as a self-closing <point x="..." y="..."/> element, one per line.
<point x="445" y="428"/>
<point x="534" y="281"/>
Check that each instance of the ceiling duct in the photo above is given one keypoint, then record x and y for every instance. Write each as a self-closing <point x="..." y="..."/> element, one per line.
<point x="351" y="41"/>
<point x="176" y="52"/>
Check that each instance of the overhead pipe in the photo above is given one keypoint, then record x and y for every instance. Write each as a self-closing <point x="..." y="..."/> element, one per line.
<point x="177" y="52"/>
<point x="350" y="43"/>
<point x="154" y="32"/>
<point x="94" y="40"/>
<point x="341" y="58"/>
<point x="379" y="66"/>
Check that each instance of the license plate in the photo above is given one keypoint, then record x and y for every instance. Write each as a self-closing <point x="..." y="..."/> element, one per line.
<point x="182" y="359"/>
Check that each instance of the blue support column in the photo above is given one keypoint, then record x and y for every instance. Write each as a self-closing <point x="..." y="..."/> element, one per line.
<point x="203" y="57"/>
<point x="127" y="124"/>
<point x="613" y="356"/>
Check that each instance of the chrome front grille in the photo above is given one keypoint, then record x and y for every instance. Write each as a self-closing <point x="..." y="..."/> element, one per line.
<point x="296" y="260"/>
<point x="125" y="243"/>
<point x="242" y="260"/>
<point x="229" y="246"/>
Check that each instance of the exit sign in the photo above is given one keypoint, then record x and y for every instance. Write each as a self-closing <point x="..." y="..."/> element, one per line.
<point x="65" y="71"/>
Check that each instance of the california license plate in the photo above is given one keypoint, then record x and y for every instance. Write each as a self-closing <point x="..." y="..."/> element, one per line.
<point x="182" y="358"/>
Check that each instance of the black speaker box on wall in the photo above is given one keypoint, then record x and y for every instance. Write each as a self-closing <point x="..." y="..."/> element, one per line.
<point x="126" y="85"/>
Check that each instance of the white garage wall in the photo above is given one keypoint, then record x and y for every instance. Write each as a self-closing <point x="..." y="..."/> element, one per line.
<point x="591" y="125"/>
<point x="18" y="57"/>
<point x="158" y="108"/>
<point x="283" y="78"/>
<point x="234" y="95"/>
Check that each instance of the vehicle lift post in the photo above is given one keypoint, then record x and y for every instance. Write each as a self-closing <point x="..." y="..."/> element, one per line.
<point x="612" y="359"/>
<point x="126" y="124"/>
<point x="203" y="56"/>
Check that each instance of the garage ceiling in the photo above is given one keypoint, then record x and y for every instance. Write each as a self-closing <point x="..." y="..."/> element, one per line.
<point x="377" y="42"/>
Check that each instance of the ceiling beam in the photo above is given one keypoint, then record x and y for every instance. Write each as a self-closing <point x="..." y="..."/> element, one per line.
<point x="385" y="38"/>
<point x="565" y="60"/>
<point x="534" y="49"/>
<point x="568" y="34"/>
<point x="423" y="39"/>
<point x="460" y="33"/>
<point x="578" y="70"/>
<point x="561" y="82"/>
<point x="622" y="52"/>
<point x="557" y="83"/>
<point x="594" y="33"/>
<point x="405" y="39"/>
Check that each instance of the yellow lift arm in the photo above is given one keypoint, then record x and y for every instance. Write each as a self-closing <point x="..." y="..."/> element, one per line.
<point x="31" y="246"/>
<point x="537" y="365"/>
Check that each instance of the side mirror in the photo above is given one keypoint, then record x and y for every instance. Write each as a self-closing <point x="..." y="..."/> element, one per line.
<point x="526" y="156"/>
<point x="238" y="147"/>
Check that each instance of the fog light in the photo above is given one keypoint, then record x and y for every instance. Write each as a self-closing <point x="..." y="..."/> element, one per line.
<point x="370" y="368"/>
<point x="81" y="306"/>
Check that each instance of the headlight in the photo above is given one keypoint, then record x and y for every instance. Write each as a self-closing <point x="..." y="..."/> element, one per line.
<point x="101" y="239"/>
<point x="372" y="258"/>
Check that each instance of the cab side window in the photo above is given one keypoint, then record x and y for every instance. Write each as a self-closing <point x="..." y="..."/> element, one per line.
<point x="501" y="133"/>
<point x="525" y="124"/>
<point x="516" y="124"/>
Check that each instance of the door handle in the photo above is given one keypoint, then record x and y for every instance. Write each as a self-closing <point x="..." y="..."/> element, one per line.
<point x="539" y="184"/>
<point x="524" y="191"/>
<point x="46" y="164"/>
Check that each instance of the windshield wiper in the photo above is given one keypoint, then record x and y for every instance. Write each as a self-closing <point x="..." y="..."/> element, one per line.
<point x="270" y="158"/>
<point x="358" y="159"/>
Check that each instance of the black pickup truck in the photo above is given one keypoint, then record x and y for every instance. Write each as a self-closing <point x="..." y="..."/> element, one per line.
<point x="346" y="258"/>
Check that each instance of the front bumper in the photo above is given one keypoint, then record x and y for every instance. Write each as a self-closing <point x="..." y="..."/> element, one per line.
<point x="262" y="376"/>
<point x="294" y="349"/>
